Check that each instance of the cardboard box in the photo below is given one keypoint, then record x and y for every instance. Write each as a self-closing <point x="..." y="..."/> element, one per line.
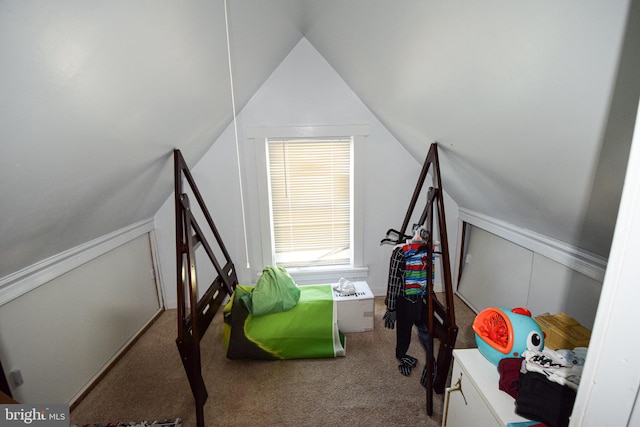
<point x="355" y="310"/>
<point x="563" y="331"/>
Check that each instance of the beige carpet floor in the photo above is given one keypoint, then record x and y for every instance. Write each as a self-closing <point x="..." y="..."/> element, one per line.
<point x="365" y="388"/>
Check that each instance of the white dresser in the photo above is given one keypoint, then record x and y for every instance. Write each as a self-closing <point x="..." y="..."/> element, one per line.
<point x="474" y="398"/>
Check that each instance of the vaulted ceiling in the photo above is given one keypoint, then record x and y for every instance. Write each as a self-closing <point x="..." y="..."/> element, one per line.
<point x="532" y="102"/>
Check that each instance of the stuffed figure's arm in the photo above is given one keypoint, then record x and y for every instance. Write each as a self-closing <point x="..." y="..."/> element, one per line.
<point x="394" y="286"/>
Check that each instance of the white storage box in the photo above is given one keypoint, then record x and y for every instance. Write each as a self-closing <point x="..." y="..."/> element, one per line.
<point x="355" y="309"/>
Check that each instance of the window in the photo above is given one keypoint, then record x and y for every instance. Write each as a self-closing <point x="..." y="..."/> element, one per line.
<point x="310" y="190"/>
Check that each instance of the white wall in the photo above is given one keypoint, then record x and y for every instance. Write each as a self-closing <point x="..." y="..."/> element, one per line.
<point x="303" y="90"/>
<point x="500" y="273"/>
<point x="61" y="334"/>
<point x="608" y="394"/>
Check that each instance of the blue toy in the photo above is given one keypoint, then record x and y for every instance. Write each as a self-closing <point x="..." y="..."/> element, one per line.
<point x="502" y="333"/>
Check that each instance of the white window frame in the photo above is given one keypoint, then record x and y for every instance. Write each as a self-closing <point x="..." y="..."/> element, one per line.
<point x="325" y="274"/>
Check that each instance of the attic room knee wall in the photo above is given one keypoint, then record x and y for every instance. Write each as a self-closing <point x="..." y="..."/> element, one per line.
<point x="498" y="272"/>
<point x="62" y="334"/>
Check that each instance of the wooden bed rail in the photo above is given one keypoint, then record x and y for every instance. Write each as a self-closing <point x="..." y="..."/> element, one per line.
<point x="195" y="314"/>
<point x="441" y="316"/>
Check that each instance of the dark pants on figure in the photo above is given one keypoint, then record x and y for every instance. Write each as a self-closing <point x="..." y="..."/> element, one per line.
<point x="409" y="313"/>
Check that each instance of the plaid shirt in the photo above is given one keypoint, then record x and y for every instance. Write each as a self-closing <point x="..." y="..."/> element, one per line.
<point x="397" y="284"/>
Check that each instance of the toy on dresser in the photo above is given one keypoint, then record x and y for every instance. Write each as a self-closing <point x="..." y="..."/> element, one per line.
<point x="543" y="381"/>
<point x="501" y="333"/>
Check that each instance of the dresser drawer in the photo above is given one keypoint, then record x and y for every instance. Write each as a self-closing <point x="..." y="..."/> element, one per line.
<point x="463" y="403"/>
<point x="474" y="399"/>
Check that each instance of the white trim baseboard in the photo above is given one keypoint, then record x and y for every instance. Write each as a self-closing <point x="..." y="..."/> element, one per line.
<point x="35" y="275"/>
<point x="587" y="263"/>
<point x="82" y="393"/>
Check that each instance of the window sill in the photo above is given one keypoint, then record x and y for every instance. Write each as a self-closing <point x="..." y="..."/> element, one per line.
<point x="322" y="275"/>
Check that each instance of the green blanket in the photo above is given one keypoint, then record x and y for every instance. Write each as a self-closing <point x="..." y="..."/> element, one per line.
<point x="275" y="292"/>
<point x="308" y="330"/>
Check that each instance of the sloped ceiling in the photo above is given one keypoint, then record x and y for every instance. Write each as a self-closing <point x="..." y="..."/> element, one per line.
<point x="518" y="95"/>
<point x="95" y="95"/>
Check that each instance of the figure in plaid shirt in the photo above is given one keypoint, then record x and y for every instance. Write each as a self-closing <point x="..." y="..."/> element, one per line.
<point x="405" y="301"/>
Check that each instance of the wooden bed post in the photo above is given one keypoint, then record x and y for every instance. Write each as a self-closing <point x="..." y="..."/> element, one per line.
<point x="440" y="317"/>
<point x="195" y="315"/>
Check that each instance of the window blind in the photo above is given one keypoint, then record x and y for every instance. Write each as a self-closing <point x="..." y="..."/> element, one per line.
<point x="310" y="192"/>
